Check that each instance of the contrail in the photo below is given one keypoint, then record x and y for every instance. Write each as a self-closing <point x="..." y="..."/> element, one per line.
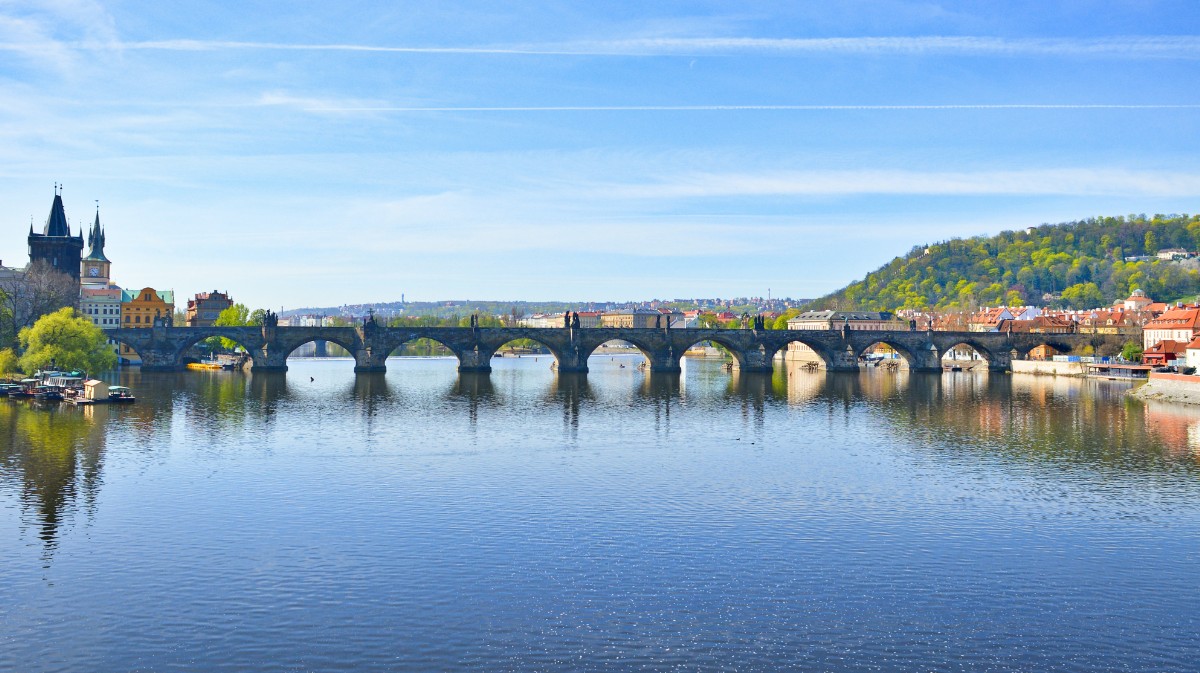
<point x="1146" y="46"/>
<point x="736" y="108"/>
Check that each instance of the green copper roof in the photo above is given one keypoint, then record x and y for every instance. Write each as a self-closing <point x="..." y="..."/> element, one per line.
<point x="96" y="242"/>
<point x="166" y="295"/>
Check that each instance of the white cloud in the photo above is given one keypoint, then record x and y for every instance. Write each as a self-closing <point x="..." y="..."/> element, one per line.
<point x="48" y="33"/>
<point x="1034" y="182"/>
<point x="340" y="105"/>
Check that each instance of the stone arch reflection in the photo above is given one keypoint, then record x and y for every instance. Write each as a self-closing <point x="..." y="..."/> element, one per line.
<point x="572" y="391"/>
<point x="477" y="390"/>
<point x="802" y="383"/>
<point x="663" y="391"/>
<point x="754" y="390"/>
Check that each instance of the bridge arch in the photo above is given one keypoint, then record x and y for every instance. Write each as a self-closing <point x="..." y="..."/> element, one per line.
<point x="955" y="351"/>
<point x="293" y="346"/>
<point x="913" y="361"/>
<point x="640" y="346"/>
<point x="812" y="350"/>
<point x="728" y="343"/>
<point x="393" y="348"/>
<point x="241" y="337"/>
<point x="127" y="350"/>
<point x="565" y="359"/>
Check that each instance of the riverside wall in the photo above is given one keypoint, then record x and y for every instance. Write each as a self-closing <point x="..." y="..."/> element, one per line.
<point x="1048" y="368"/>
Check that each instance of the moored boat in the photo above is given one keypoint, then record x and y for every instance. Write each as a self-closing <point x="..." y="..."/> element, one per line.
<point x="99" y="392"/>
<point x="48" y="394"/>
<point x="120" y="395"/>
<point x="25" y="388"/>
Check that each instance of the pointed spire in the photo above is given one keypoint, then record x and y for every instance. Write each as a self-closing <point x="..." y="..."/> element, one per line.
<point x="96" y="239"/>
<point x="56" y="223"/>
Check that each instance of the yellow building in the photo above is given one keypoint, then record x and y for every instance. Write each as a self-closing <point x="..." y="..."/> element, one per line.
<point x="139" y="310"/>
<point x="640" y="317"/>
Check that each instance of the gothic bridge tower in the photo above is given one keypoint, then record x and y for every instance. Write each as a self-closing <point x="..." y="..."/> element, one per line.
<point x="55" y="244"/>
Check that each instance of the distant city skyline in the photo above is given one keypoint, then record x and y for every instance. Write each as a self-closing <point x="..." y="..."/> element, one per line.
<point x="349" y="153"/>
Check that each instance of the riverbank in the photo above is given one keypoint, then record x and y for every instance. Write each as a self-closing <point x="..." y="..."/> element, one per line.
<point x="1048" y="368"/>
<point x="1165" y="387"/>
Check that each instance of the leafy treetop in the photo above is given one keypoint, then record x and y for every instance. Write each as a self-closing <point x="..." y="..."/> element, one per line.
<point x="1072" y="265"/>
<point x="67" y="339"/>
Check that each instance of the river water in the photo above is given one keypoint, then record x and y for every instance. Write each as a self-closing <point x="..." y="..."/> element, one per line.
<point x="419" y="520"/>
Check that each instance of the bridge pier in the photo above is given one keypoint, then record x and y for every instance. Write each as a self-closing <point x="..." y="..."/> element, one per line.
<point x="754" y="361"/>
<point x="1000" y="362"/>
<point x="572" y="360"/>
<point x="268" y="360"/>
<point x="369" y="361"/>
<point x="154" y="360"/>
<point x="474" y="361"/>
<point x="663" y="360"/>
<point x="925" y="360"/>
<point x="842" y="360"/>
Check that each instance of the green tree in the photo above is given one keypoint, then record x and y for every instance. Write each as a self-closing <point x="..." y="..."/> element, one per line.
<point x="1151" y="240"/>
<point x="782" y="321"/>
<point x="484" y="321"/>
<point x="1132" y="351"/>
<point x="963" y="274"/>
<point x="237" y="315"/>
<point x="1083" y="295"/>
<point x="234" y="316"/>
<point x="69" y="340"/>
<point x="8" y="362"/>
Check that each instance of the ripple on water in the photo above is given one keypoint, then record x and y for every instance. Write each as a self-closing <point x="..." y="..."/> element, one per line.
<point x="421" y="520"/>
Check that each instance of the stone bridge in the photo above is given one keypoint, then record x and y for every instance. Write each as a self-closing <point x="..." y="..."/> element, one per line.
<point x="162" y="347"/>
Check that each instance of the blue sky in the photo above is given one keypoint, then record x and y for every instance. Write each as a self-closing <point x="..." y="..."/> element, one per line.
<point x="316" y="153"/>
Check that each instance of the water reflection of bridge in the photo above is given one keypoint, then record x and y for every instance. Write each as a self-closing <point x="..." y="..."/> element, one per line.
<point x="163" y="347"/>
<point x="52" y="460"/>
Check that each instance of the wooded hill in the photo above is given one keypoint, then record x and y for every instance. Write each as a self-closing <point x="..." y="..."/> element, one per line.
<point x="1069" y="265"/>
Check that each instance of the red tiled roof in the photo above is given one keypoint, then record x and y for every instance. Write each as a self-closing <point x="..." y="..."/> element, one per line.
<point x="1167" y="346"/>
<point x="1176" y="318"/>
